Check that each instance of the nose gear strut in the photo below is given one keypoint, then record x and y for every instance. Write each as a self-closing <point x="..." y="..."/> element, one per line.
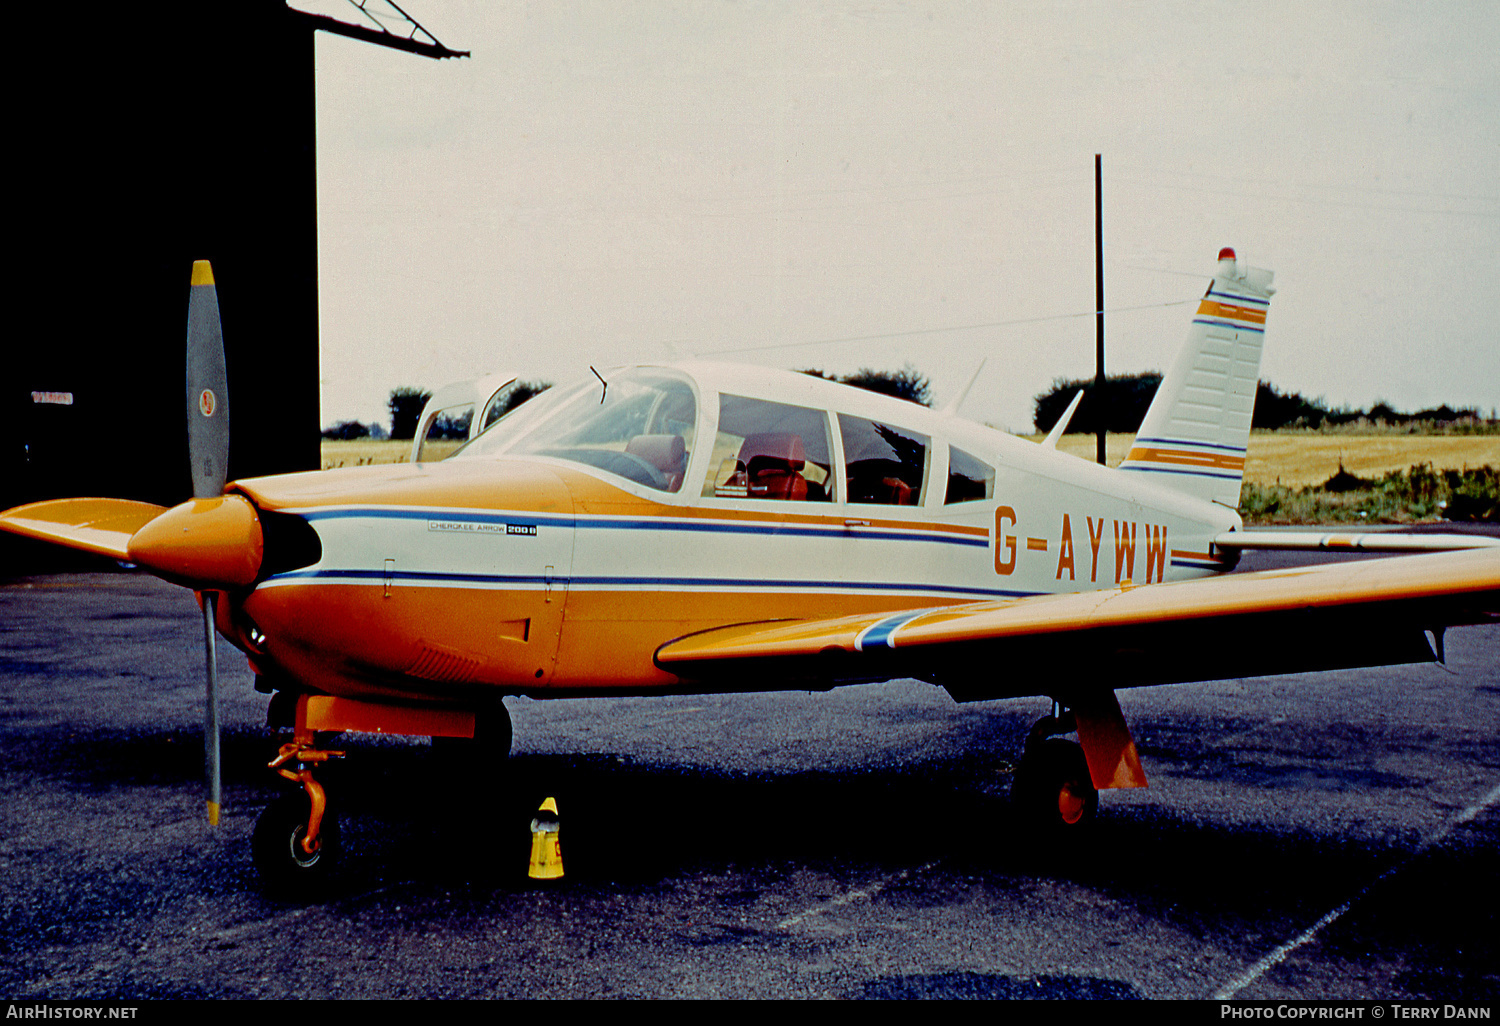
<point x="305" y="755"/>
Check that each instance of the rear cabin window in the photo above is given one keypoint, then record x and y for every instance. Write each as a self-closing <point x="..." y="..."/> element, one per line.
<point x="767" y="450"/>
<point x="883" y="464"/>
<point x="969" y="478"/>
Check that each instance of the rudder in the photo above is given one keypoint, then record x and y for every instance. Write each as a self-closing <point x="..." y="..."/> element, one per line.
<point x="1195" y="434"/>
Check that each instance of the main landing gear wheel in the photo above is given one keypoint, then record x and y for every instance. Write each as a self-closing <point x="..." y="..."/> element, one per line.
<point x="480" y="760"/>
<point x="277" y="848"/>
<point x="1053" y="788"/>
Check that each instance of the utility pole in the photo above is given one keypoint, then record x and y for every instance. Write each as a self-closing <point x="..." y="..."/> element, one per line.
<point x="1099" y="410"/>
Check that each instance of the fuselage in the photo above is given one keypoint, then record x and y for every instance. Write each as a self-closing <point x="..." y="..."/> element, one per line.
<point x="559" y="551"/>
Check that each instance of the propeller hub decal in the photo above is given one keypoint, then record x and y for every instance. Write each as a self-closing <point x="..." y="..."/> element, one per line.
<point x="207" y="402"/>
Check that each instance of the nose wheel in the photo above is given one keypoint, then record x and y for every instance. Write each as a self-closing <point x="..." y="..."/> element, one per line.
<point x="280" y="850"/>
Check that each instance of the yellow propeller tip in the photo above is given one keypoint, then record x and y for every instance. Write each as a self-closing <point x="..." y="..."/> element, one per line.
<point x="203" y="274"/>
<point x="213" y="814"/>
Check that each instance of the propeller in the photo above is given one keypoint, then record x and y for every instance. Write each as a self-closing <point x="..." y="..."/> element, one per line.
<point x="208" y="452"/>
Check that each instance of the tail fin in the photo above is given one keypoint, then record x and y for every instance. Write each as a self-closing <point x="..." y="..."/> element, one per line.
<point x="1196" y="431"/>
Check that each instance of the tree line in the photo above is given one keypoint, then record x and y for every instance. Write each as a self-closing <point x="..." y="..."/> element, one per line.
<point x="1122" y="404"/>
<point x="405" y="405"/>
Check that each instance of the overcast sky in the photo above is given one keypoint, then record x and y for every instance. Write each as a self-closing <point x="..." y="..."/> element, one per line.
<point x="607" y="183"/>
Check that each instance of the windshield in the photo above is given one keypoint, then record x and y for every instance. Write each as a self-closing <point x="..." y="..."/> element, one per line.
<point x="642" y="431"/>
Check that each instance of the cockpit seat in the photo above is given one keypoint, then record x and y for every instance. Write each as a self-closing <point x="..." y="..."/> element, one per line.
<point x="773" y="464"/>
<point x="664" y="452"/>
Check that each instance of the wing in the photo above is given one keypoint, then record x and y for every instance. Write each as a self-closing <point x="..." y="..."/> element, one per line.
<point x="101" y="526"/>
<point x="1370" y="613"/>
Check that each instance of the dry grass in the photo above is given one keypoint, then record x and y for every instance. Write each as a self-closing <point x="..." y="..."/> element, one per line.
<point x="1296" y="459"/>
<point x="363" y="451"/>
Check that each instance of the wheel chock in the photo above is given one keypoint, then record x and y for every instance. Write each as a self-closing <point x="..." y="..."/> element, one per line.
<point x="546" y="851"/>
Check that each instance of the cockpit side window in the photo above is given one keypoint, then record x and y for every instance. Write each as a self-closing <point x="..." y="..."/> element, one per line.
<point x="883" y="464"/>
<point x="447" y="432"/>
<point x="767" y="450"/>
<point x="969" y="478"/>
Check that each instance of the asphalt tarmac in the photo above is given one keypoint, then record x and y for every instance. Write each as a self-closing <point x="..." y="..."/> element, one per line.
<point x="1330" y="835"/>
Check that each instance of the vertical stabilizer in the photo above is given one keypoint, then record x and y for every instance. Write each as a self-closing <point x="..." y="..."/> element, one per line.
<point x="1195" y="433"/>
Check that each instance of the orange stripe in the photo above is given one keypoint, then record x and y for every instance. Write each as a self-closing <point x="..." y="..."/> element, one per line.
<point x="594" y="496"/>
<point x="1036" y="544"/>
<point x="1186" y="458"/>
<point x="1237" y="313"/>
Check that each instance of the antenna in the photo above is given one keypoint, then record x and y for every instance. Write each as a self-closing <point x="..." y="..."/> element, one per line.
<point x="409" y="35"/>
<point x="963" y="393"/>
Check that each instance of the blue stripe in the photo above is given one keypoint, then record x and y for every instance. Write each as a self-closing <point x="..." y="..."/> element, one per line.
<point x="1192" y="473"/>
<point x="1183" y="441"/>
<point x="433" y="577"/>
<point x="664" y="524"/>
<point x="1236" y="325"/>
<point x="881" y="633"/>
<point x="424" y="576"/>
<point x="1242" y="299"/>
<point x="458" y="516"/>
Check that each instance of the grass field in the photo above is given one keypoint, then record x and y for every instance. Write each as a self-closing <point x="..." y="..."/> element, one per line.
<point x="1296" y="459"/>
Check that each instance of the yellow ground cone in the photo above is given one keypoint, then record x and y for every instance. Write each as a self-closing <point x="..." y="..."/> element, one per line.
<point x="546" y="851"/>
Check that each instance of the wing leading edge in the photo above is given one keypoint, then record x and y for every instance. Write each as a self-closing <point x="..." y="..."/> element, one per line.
<point x="1278" y="621"/>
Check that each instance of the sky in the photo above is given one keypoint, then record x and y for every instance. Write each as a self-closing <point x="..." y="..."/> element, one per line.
<point x="876" y="184"/>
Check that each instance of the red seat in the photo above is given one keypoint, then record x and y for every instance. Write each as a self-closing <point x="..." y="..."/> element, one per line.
<point x="773" y="463"/>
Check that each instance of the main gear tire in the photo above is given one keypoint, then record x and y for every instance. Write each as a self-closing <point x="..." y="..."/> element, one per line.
<point x="479" y="761"/>
<point x="1053" y="789"/>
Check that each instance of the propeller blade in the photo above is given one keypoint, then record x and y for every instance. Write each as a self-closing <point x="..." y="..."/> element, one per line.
<point x="208" y="454"/>
<point x="207" y="387"/>
<point x="211" y="713"/>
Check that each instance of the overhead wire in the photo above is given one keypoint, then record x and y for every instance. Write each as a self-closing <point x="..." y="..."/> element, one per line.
<point x="936" y="331"/>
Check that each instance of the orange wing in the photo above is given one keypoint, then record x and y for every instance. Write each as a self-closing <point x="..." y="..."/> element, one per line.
<point x="100" y="526"/>
<point x="1334" y="616"/>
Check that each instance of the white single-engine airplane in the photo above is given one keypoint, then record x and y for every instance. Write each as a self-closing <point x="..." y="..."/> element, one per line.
<point x="701" y="527"/>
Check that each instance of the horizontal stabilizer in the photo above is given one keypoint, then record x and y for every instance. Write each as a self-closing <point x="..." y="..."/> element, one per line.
<point x="1352" y="541"/>
<point x="101" y="526"/>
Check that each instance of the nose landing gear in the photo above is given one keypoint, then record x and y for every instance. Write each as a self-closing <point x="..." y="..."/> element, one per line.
<point x="296" y="840"/>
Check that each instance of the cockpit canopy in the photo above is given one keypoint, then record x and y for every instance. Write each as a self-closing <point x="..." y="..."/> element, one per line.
<point x="642" y="424"/>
